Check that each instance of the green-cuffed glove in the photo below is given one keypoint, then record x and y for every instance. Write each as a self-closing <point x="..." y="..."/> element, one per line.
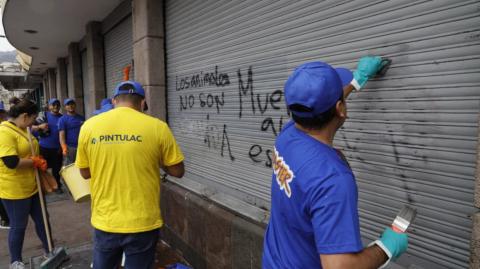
<point x="394" y="244"/>
<point x="367" y="67"/>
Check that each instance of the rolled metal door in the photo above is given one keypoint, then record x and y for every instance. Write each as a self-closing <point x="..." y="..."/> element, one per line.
<point x="118" y="46"/>
<point x="411" y="137"/>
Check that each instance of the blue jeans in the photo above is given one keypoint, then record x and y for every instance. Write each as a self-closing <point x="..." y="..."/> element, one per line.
<point x="139" y="249"/>
<point x="18" y="211"/>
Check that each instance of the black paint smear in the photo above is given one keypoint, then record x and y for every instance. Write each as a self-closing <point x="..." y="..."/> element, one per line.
<point x="228" y="142"/>
<point x="266" y="103"/>
<point x="272" y="101"/>
<point x="202" y="103"/>
<point x="269" y="122"/>
<point x="217" y="100"/>
<point x="280" y="125"/>
<point x="192" y="99"/>
<point x="269" y="163"/>
<point x="181" y="103"/>
<point x="243" y="90"/>
<point x="254" y="155"/>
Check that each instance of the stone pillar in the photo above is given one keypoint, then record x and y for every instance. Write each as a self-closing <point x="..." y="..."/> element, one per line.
<point x="475" y="240"/>
<point x="75" y="73"/>
<point x="62" y="83"/>
<point x="149" y="60"/>
<point x="52" y="81"/>
<point x="96" y="70"/>
<point x="46" y="91"/>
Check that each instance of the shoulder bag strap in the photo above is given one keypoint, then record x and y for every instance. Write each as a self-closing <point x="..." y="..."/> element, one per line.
<point x="16" y="131"/>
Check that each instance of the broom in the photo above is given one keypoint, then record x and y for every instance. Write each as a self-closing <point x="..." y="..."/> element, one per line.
<point x="60" y="254"/>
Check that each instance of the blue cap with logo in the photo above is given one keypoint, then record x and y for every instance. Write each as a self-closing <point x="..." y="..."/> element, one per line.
<point x="53" y="100"/>
<point x="106" y="105"/>
<point x="68" y="100"/>
<point x="317" y="86"/>
<point x="138" y="89"/>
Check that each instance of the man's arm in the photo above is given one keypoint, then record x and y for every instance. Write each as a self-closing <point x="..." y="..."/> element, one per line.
<point x="61" y="135"/>
<point x="176" y="170"/>
<point x="347" y="90"/>
<point x="372" y="257"/>
<point x="85" y="172"/>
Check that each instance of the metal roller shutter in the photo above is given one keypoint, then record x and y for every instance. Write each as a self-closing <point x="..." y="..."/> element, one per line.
<point x="86" y="90"/>
<point x="118" y="44"/>
<point x="411" y="137"/>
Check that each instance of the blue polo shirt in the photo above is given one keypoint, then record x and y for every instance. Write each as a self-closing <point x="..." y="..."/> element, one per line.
<point x="51" y="141"/>
<point x="314" y="203"/>
<point x="71" y="125"/>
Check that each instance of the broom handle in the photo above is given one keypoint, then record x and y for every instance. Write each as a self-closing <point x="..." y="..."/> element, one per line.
<point x="37" y="178"/>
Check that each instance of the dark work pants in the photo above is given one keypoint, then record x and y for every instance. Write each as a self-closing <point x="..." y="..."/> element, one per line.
<point x="54" y="161"/>
<point x="3" y="212"/>
<point x="18" y="211"/>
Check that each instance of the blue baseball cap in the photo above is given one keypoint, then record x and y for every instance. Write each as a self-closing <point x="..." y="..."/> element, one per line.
<point x="138" y="89"/>
<point x="53" y="100"/>
<point x="68" y="100"/>
<point x="2" y="107"/>
<point x="105" y="102"/>
<point x="104" y="108"/>
<point x="316" y="85"/>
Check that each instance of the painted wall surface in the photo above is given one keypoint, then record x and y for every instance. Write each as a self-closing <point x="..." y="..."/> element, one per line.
<point x="411" y="137"/>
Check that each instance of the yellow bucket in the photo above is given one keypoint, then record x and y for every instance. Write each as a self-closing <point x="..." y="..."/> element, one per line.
<point x="79" y="187"/>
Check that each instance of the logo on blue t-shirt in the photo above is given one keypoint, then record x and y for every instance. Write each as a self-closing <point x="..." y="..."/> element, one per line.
<point x="283" y="173"/>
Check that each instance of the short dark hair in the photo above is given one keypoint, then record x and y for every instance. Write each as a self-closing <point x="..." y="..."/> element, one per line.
<point x="21" y="106"/>
<point x="316" y="122"/>
<point x="128" y="97"/>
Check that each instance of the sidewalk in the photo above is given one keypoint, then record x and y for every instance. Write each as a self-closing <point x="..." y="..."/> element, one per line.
<point x="71" y="228"/>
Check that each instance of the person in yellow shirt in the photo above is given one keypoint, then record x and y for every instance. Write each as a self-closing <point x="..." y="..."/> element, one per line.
<point x="18" y="188"/>
<point x="122" y="150"/>
<point x="4" y="220"/>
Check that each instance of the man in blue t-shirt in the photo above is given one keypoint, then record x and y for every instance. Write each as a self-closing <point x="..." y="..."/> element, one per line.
<point x="314" y="219"/>
<point x="69" y="128"/>
<point x="50" y="147"/>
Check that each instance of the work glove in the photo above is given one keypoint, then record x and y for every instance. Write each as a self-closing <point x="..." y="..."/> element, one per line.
<point x="367" y="67"/>
<point x="39" y="162"/>
<point x="392" y="243"/>
<point x="65" y="149"/>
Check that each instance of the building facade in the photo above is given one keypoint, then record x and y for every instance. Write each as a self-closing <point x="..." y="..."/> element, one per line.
<point x="215" y="70"/>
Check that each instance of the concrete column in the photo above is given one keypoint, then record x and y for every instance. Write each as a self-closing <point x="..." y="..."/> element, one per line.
<point x="96" y="69"/>
<point x="149" y="60"/>
<point x="52" y="81"/>
<point x="62" y="82"/>
<point x="75" y="73"/>
<point x="475" y="240"/>
<point x="46" y="91"/>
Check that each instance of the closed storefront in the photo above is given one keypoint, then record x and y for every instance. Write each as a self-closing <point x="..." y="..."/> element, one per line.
<point x="411" y="136"/>
<point x="86" y="92"/>
<point x="118" y="47"/>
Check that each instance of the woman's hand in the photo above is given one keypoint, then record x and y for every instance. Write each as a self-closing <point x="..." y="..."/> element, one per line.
<point x="39" y="162"/>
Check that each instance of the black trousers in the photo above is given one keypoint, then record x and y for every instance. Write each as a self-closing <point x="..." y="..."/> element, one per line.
<point x="54" y="159"/>
<point x="3" y="212"/>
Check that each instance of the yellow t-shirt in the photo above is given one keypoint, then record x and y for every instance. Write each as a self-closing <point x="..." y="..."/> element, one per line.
<point x="16" y="183"/>
<point x="123" y="148"/>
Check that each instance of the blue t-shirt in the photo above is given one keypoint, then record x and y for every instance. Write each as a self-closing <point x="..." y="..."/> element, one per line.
<point x="52" y="141"/>
<point x="71" y="125"/>
<point x="314" y="203"/>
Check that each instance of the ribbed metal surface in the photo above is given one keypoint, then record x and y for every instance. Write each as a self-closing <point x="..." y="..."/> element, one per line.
<point x="86" y="89"/>
<point x="124" y="9"/>
<point x="118" y="49"/>
<point x="411" y="137"/>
